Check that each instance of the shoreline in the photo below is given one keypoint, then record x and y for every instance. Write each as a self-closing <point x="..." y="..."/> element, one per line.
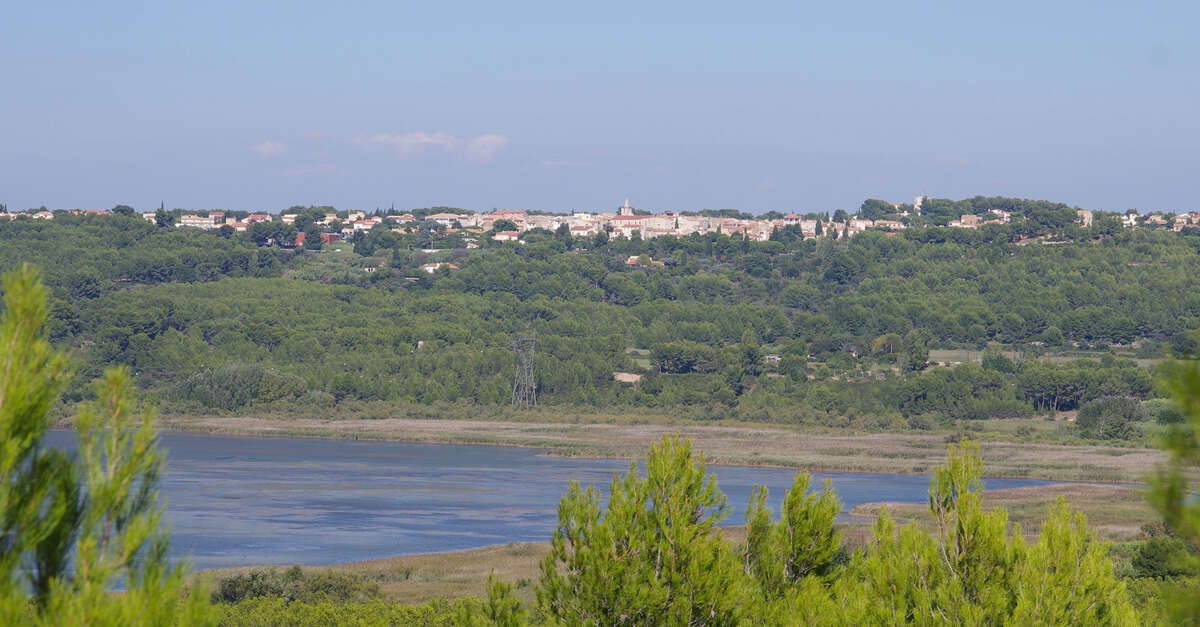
<point x="1114" y="513"/>
<point x="757" y="446"/>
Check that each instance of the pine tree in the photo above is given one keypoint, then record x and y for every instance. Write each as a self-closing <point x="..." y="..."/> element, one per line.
<point x="83" y="524"/>
<point x="1169" y="491"/>
<point x="802" y="543"/>
<point x="977" y="570"/>
<point x="40" y="502"/>
<point x="653" y="556"/>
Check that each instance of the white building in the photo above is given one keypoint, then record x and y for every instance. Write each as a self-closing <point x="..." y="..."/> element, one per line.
<point x="445" y="219"/>
<point x="917" y="201"/>
<point x="211" y="221"/>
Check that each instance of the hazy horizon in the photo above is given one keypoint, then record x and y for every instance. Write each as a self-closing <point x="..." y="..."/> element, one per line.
<point x="553" y="107"/>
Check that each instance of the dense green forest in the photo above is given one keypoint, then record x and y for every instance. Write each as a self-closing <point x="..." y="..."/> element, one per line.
<point x="787" y="329"/>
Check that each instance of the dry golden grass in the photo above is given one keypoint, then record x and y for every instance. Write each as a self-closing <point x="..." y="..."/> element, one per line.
<point x="1114" y="512"/>
<point x="1005" y="455"/>
<point x="421" y="578"/>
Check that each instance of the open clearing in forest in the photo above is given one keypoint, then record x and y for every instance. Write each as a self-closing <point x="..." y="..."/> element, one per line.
<point x="965" y="355"/>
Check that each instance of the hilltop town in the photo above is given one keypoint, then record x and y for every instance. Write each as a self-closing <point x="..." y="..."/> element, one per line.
<point x="508" y="225"/>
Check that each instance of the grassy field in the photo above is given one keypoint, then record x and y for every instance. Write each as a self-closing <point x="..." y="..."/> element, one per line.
<point x="640" y="356"/>
<point x="1033" y="448"/>
<point x="1114" y="512"/>
<point x="963" y="355"/>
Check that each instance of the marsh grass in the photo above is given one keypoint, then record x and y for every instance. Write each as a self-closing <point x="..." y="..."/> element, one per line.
<point x="1115" y="512"/>
<point x="824" y="448"/>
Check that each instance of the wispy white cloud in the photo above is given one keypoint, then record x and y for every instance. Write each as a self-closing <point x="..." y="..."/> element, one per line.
<point x="485" y="147"/>
<point x="321" y="168"/>
<point x="415" y="144"/>
<point x="270" y="148"/>
<point x="408" y="144"/>
<point x="549" y="163"/>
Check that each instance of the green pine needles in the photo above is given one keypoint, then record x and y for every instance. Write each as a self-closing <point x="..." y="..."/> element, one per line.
<point x="74" y="527"/>
<point x="655" y="556"/>
<point x="1172" y="496"/>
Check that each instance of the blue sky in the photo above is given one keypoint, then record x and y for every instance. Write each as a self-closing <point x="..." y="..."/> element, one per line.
<point x="564" y="105"/>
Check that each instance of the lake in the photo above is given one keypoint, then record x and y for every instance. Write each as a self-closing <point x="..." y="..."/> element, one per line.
<point x="237" y="501"/>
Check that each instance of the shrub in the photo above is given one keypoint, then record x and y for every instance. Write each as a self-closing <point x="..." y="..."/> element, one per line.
<point x="234" y="386"/>
<point x="993" y="359"/>
<point x="1165" y="556"/>
<point x="275" y="611"/>
<point x="1110" y="418"/>
<point x="1163" y="411"/>
<point x="683" y="357"/>
<point x="295" y="584"/>
<point x="922" y="422"/>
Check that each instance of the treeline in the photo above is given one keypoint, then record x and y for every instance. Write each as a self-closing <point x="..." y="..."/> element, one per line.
<point x="959" y="287"/>
<point x="973" y="391"/>
<point x="1034" y="215"/>
<point x="85" y="256"/>
<point x="236" y="342"/>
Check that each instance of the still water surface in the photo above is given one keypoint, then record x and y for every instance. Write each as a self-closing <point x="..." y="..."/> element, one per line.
<point x="235" y="501"/>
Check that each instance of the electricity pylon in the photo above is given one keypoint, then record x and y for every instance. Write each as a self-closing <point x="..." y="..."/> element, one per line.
<point x="525" y="384"/>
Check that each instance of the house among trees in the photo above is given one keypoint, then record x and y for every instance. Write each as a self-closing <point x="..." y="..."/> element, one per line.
<point x="213" y="220"/>
<point x="445" y="219"/>
<point x="644" y="260"/>
<point x="434" y="267"/>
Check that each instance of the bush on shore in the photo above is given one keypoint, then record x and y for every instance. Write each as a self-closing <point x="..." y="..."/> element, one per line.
<point x="294" y="584"/>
